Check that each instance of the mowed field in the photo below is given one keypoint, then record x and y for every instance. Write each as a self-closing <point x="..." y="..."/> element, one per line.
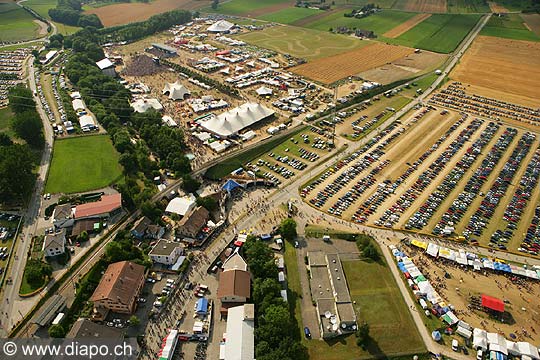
<point x="250" y="8"/>
<point x="379" y="23"/>
<point x="124" y="13"/>
<point x="15" y="23"/>
<point x="441" y="33"/>
<point x="510" y="26"/>
<point x="330" y="69"/>
<point x="289" y="15"/>
<point x="406" y="26"/>
<point x="426" y="6"/>
<point x="302" y="43"/>
<point x="512" y="66"/>
<point x="83" y="163"/>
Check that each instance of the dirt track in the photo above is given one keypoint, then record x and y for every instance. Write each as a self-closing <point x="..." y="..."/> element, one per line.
<point x="406" y="26"/>
<point x="498" y="64"/>
<point x="124" y="13"/>
<point x="333" y="68"/>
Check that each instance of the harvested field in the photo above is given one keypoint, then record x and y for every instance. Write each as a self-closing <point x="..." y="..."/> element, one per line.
<point x="509" y="26"/>
<point x="516" y="65"/>
<point x="331" y="69"/>
<point x="428" y="6"/>
<point x="496" y="8"/>
<point x="302" y="43"/>
<point x="269" y="9"/>
<point x="289" y="15"/>
<point x="315" y="17"/>
<point x="406" y="67"/>
<point x="142" y="65"/>
<point x="125" y="13"/>
<point x="406" y="26"/>
<point x="532" y="21"/>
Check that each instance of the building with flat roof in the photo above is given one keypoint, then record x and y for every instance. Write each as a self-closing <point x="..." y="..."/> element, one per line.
<point x="85" y="329"/>
<point x="330" y="292"/>
<point x="165" y="48"/>
<point x="240" y="338"/>
<point x="166" y="252"/>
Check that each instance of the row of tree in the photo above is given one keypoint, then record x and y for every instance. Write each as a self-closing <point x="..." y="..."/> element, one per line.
<point x="276" y="334"/>
<point x="18" y="161"/>
<point x="69" y="12"/>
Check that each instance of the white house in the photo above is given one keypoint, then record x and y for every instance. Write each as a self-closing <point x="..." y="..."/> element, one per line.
<point x="166" y="252"/>
<point x="55" y="244"/>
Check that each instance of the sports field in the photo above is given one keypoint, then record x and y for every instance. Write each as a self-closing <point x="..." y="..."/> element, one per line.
<point x="378" y="23"/>
<point x="302" y="43"/>
<point x="440" y="32"/>
<point x="83" y="163"/>
<point x="467" y="6"/>
<point x="289" y="15"/>
<point x="15" y="23"/>
<point x="243" y="7"/>
<point x="510" y="26"/>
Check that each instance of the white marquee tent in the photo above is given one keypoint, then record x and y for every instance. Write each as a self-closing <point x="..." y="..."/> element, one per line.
<point x="143" y="105"/>
<point x="176" y="90"/>
<point x="220" y="26"/>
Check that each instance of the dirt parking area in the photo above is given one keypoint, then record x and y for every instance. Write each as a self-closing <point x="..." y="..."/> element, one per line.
<point x="503" y="66"/>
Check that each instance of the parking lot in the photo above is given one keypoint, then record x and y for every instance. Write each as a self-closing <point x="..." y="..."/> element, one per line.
<point x="452" y="175"/>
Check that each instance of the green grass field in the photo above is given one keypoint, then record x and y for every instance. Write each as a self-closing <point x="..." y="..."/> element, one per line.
<point x="290" y="15"/>
<point x="243" y="7"/>
<point x="515" y="5"/>
<point x="467" y="6"/>
<point x="378" y="23"/>
<point x="5" y="119"/>
<point x="385" y="4"/>
<point x="509" y="27"/>
<point x="440" y="32"/>
<point x="82" y="164"/>
<point x="42" y="8"/>
<point x="302" y="43"/>
<point x="16" y="24"/>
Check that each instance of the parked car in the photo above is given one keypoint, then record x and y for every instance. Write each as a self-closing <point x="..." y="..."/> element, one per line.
<point x="307" y="332"/>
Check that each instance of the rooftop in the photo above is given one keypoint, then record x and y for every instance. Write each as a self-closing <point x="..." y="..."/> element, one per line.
<point x="107" y="204"/>
<point x="120" y="282"/>
<point x="164" y="248"/>
<point x="84" y="328"/>
<point x="234" y="283"/>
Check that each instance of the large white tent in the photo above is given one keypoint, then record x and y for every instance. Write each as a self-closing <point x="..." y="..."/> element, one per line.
<point x="143" y="105"/>
<point x="181" y="205"/>
<point x="231" y="122"/>
<point x="176" y="90"/>
<point x="480" y="339"/>
<point x="220" y="26"/>
<point x="86" y="120"/>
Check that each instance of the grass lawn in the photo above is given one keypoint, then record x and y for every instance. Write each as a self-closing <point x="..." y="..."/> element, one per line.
<point x="509" y="27"/>
<point x="5" y="119"/>
<point x="467" y="6"/>
<point x="82" y="164"/>
<point x="17" y="24"/>
<point x="226" y="167"/>
<point x="239" y="7"/>
<point x="301" y="42"/>
<point x="378" y="23"/>
<point x="288" y="16"/>
<point x="440" y="32"/>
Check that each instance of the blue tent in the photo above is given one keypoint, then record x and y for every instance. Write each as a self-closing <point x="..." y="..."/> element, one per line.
<point x="202" y="306"/>
<point x="436" y="335"/>
<point x="230" y="185"/>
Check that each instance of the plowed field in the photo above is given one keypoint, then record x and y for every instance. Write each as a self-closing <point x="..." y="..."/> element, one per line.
<point x="330" y="69"/>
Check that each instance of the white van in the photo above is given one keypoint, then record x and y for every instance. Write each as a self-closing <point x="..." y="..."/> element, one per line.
<point x="479" y="354"/>
<point x="455" y="345"/>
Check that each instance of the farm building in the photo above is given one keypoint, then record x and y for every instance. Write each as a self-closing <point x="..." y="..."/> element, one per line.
<point x="164" y="48"/>
<point x="107" y="67"/>
<point x="240" y="341"/>
<point x="143" y="105"/>
<point x="368" y="34"/>
<point x="107" y="206"/>
<point x="176" y="91"/>
<point x="221" y="26"/>
<point x="231" y="122"/>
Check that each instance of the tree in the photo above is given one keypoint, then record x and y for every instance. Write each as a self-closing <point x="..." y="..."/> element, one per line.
<point x="362" y="334"/>
<point x="288" y="229"/>
<point x="208" y="202"/>
<point x="215" y="4"/>
<point x="189" y="184"/>
<point x="36" y="271"/>
<point x="371" y="252"/>
<point x="129" y="163"/>
<point x="20" y="99"/>
<point x="27" y="125"/>
<point x="83" y="236"/>
<point x="266" y="292"/>
<point x="5" y="140"/>
<point x="134" y="320"/>
<point x="17" y="175"/>
<point x="57" y="331"/>
<point x="260" y="259"/>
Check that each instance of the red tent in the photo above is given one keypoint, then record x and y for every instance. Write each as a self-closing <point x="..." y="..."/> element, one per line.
<point x="492" y="303"/>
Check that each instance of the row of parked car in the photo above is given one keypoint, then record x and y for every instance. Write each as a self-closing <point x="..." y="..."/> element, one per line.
<point x="531" y="243"/>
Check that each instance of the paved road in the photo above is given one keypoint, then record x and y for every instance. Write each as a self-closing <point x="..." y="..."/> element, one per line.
<point x="11" y="300"/>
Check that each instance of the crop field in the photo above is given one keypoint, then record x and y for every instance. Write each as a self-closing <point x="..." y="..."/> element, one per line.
<point x="125" y="13"/>
<point x="515" y="63"/>
<point x="467" y="6"/>
<point x="441" y="33"/>
<point x="302" y="43"/>
<point x="385" y="4"/>
<point x="510" y="26"/>
<point x="425" y="6"/>
<point x="289" y="15"/>
<point x="83" y="163"/>
<point x="440" y="169"/>
<point x="330" y="69"/>
<point x="379" y="23"/>
<point x="16" y="24"/>
<point x="532" y="22"/>
<point x="251" y="8"/>
<point x="406" y="26"/>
